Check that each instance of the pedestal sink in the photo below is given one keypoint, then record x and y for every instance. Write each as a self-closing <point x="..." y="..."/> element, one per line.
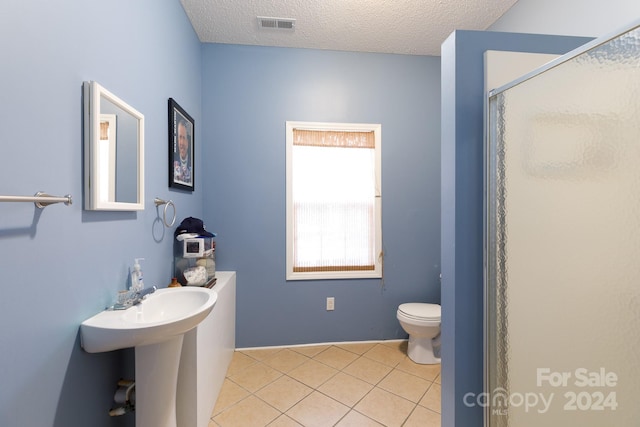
<point x="156" y="328"/>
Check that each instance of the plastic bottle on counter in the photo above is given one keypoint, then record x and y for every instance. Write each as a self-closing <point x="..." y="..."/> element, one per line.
<point x="137" y="284"/>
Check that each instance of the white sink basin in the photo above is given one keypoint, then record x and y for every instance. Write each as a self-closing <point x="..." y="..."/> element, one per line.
<point x="156" y="328"/>
<point x="162" y="315"/>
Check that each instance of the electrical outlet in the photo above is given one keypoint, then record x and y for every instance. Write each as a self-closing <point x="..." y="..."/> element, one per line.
<point x="331" y="303"/>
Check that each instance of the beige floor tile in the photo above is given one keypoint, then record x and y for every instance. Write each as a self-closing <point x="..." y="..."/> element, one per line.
<point x="317" y="410"/>
<point x="345" y="389"/>
<point x="251" y="412"/>
<point x="400" y="345"/>
<point x="255" y="377"/>
<point x="385" y="355"/>
<point x="312" y="373"/>
<point x="357" y="348"/>
<point x="230" y="394"/>
<point x="284" y="421"/>
<point x="422" y="417"/>
<point x="336" y="357"/>
<point x="262" y="353"/>
<point x="239" y="362"/>
<point x="438" y="379"/>
<point x="431" y="399"/>
<point x="284" y="379"/>
<point x="405" y="385"/>
<point x="427" y="372"/>
<point x="384" y="407"/>
<point x="356" y="419"/>
<point x="367" y="370"/>
<point x="283" y="393"/>
<point x="310" y="350"/>
<point x="285" y="360"/>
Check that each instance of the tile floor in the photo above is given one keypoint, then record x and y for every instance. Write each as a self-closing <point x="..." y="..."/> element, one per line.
<point x="342" y="385"/>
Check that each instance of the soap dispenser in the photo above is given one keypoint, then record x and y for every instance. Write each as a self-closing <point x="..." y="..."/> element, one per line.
<point x="136" y="276"/>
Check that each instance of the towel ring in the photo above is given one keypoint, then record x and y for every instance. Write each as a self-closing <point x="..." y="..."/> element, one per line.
<point x="166" y="204"/>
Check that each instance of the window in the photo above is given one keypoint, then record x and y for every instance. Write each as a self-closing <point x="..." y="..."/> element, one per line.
<point x="334" y="224"/>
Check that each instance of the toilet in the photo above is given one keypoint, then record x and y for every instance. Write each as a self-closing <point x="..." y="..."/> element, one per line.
<point x="422" y="322"/>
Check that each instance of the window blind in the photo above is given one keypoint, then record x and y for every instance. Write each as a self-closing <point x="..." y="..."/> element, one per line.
<point x="333" y="194"/>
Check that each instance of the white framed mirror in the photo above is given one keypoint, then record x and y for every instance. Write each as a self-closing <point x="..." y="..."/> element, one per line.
<point x="113" y="152"/>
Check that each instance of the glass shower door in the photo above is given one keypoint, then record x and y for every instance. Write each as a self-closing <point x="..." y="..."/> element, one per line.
<point x="562" y="288"/>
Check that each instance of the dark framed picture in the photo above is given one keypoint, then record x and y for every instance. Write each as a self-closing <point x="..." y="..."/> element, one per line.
<point x="181" y="148"/>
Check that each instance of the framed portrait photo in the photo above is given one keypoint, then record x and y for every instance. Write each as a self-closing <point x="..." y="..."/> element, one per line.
<point x="181" y="148"/>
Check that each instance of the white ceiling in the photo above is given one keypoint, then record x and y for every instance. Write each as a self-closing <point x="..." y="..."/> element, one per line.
<point x="414" y="27"/>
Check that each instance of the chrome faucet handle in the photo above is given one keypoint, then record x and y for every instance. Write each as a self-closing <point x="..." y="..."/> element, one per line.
<point x="140" y="295"/>
<point x="134" y="299"/>
<point x="143" y="293"/>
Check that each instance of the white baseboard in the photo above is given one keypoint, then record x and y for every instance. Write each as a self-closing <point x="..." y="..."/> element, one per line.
<point x="319" y="344"/>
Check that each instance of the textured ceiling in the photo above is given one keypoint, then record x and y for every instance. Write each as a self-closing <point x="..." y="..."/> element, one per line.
<point x="415" y="27"/>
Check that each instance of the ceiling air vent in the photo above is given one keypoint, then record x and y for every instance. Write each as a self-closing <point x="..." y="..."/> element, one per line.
<point x="276" y="23"/>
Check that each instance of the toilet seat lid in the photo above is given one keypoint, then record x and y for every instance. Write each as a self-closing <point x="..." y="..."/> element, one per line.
<point x="420" y="310"/>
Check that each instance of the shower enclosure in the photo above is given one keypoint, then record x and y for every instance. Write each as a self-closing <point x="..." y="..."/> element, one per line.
<point x="562" y="242"/>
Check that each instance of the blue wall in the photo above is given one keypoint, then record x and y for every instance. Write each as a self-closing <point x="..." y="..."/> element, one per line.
<point x="62" y="265"/>
<point x="462" y="208"/>
<point x="248" y="94"/>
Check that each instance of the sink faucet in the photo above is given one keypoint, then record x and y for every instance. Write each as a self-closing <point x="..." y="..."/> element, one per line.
<point x="134" y="299"/>
<point x="139" y="296"/>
